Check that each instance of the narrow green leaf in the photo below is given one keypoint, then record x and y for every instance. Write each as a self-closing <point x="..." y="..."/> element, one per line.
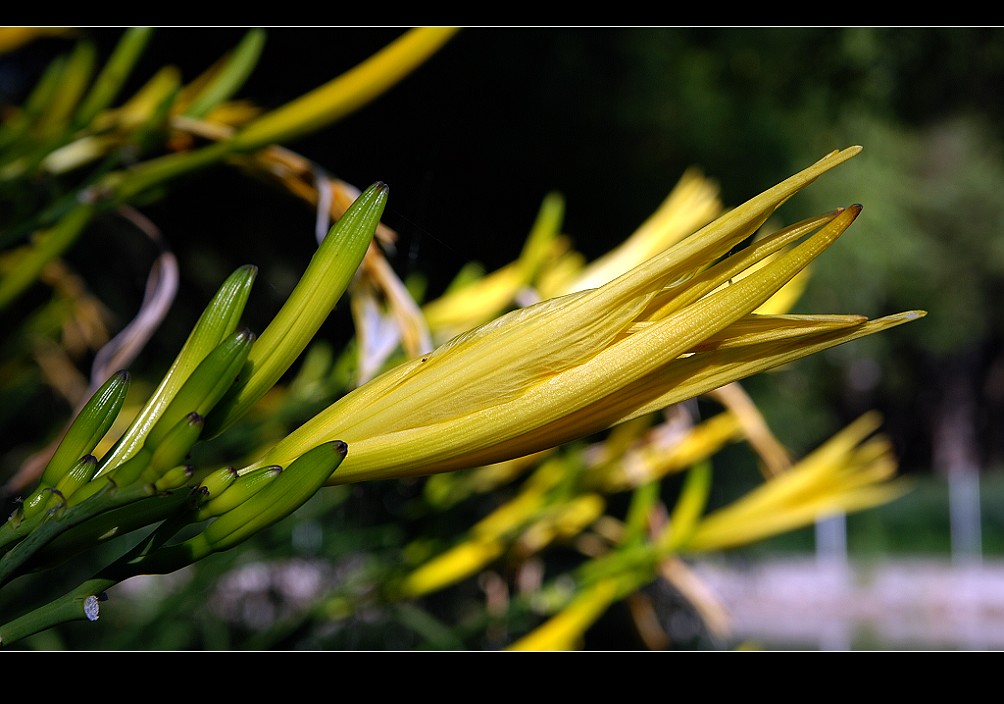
<point x="231" y="76"/>
<point x="114" y="74"/>
<point x="688" y="509"/>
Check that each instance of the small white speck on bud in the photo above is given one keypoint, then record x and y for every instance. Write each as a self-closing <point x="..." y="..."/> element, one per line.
<point x="91" y="608"/>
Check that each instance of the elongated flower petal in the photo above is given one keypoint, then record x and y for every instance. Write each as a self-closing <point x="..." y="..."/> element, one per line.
<point x="566" y="630"/>
<point x="466" y="306"/>
<point x="692" y="204"/>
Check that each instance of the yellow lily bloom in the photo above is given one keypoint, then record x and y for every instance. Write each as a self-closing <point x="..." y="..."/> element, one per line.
<point x="651" y="461"/>
<point x="537" y="515"/>
<point x="547" y="268"/>
<point x="669" y="329"/>
<point x="531" y="532"/>
<point x="466" y="306"/>
<point x="849" y="472"/>
<point x="692" y="203"/>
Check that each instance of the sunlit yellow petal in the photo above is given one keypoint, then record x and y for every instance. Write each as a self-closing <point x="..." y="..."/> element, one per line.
<point x="845" y="474"/>
<point x="691" y="204"/>
<point x="699" y="373"/>
<point x="465" y="307"/>
<point x="654" y="460"/>
<point x="450" y="567"/>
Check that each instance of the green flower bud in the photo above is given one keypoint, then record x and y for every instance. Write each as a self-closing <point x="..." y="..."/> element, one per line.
<point x="281" y="497"/>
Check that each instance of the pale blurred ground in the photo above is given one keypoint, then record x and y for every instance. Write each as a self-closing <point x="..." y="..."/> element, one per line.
<point x="828" y="603"/>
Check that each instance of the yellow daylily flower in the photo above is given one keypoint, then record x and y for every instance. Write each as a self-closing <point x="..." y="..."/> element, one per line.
<point x="853" y="470"/>
<point x="466" y="306"/>
<point x="529" y="534"/>
<point x="652" y="460"/>
<point x="692" y="203"/>
<point x="538" y="515"/>
<point x="669" y="329"/>
<point x="490" y="537"/>
<point x="849" y="472"/>
<point x="552" y="269"/>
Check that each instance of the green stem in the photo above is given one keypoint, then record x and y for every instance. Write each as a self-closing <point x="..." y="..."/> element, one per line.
<point x="43" y="533"/>
<point x="79" y="605"/>
<point x="83" y="602"/>
<point x="110" y="524"/>
<point x="126" y="185"/>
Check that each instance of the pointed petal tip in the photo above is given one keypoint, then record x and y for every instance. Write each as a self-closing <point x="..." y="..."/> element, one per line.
<point x="854" y="208"/>
<point x="842" y="155"/>
<point x="905" y="317"/>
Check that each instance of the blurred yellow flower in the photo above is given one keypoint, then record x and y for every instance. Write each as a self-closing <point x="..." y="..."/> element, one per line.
<point x="692" y="203"/>
<point x="849" y="472"/>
